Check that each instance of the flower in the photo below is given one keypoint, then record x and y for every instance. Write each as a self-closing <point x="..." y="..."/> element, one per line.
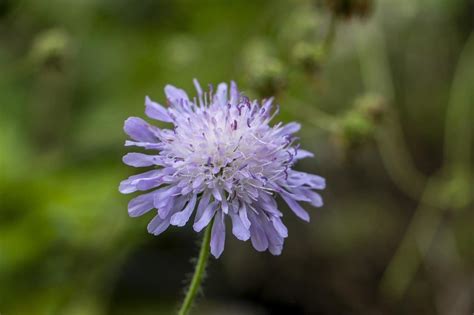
<point x="223" y="159"/>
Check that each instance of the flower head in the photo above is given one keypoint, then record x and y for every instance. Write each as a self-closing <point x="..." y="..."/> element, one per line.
<point x="220" y="159"/>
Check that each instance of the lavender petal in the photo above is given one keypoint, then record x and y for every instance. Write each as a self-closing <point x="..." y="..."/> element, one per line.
<point x="156" y="111"/>
<point x="218" y="235"/>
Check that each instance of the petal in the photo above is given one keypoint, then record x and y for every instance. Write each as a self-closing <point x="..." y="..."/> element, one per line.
<point x="146" y="145"/>
<point x="243" y="216"/>
<point x="177" y="204"/>
<point x="267" y="104"/>
<point x="170" y="206"/>
<point x="217" y="193"/>
<point x="238" y="228"/>
<point x="206" y="217"/>
<point x="129" y="185"/>
<point x="288" y="129"/>
<point x="297" y="194"/>
<point x="225" y="206"/>
<point x="142" y="160"/>
<point x="149" y="183"/>
<point x="164" y="200"/>
<point x="257" y="233"/>
<point x="269" y="204"/>
<point x="197" y="182"/>
<point x="174" y="94"/>
<point x="158" y="225"/>
<point x="296" y="178"/>
<point x="156" y="111"/>
<point x="140" y="205"/>
<point x="163" y="195"/>
<point x="218" y="235"/>
<point x="295" y="207"/>
<point x="266" y="108"/>
<point x="140" y="130"/>
<point x="182" y="217"/>
<point x="275" y="241"/>
<point x="221" y="94"/>
<point x="234" y="94"/>
<point x="316" y="199"/>
<point x="203" y="203"/>
<point x="302" y="154"/>
<point x="143" y="181"/>
<point x="276" y="249"/>
<point x="186" y="189"/>
<point x="197" y="86"/>
<point x="281" y="229"/>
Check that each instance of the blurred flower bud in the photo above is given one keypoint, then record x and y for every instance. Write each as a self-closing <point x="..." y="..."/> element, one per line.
<point x="264" y="71"/>
<point x="308" y="32"/>
<point x="373" y="106"/>
<point x="304" y="24"/>
<point x="354" y="130"/>
<point x="308" y="56"/>
<point x="51" y="49"/>
<point x="349" y="8"/>
<point x="358" y="125"/>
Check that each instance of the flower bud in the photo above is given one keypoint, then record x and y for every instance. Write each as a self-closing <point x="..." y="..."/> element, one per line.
<point x="358" y="125"/>
<point x="51" y="49"/>
<point x="308" y="56"/>
<point x="349" y="8"/>
<point x="264" y="71"/>
<point x="372" y="106"/>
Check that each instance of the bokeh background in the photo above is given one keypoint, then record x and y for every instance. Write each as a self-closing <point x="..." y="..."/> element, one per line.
<point x="384" y="90"/>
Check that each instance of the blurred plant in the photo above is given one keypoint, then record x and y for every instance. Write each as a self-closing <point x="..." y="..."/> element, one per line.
<point x="52" y="49"/>
<point x="373" y="117"/>
<point x="359" y="124"/>
<point x="309" y="56"/>
<point x="54" y="249"/>
<point x="264" y="71"/>
<point x="449" y="189"/>
<point x="308" y="33"/>
<point x="303" y="32"/>
<point x="52" y="56"/>
<point x="69" y="244"/>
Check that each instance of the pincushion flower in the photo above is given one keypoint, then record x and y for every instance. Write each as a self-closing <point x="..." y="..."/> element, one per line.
<point x="221" y="159"/>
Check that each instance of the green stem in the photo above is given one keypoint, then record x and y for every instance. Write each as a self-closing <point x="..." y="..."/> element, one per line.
<point x="330" y="34"/>
<point x="198" y="272"/>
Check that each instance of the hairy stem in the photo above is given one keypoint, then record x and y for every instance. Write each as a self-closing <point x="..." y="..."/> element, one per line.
<point x="198" y="272"/>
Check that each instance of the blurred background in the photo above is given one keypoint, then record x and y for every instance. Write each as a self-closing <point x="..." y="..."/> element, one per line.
<point x="385" y="93"/>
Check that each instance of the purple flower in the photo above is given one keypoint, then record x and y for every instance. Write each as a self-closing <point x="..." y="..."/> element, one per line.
<point x="220" y="159"/>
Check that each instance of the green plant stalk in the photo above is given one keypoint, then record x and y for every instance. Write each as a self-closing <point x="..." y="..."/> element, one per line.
<point x="415" y="245"/>
<point x="198" y="272"/>
<point x="458" y="126"/>
<point x="330" y="35"/>
<point x="394" y="151"/>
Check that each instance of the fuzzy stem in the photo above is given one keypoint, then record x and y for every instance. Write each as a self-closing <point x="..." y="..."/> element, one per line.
<point x="198" y="272"/>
